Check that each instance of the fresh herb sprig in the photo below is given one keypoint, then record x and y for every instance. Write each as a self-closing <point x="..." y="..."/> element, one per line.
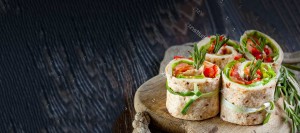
<point x="198" y="56"/>
<point x="254" y="66"/>
<point x="219" y="44"/>
<point x="288" y="88"/>
<point x="261" y="43"/>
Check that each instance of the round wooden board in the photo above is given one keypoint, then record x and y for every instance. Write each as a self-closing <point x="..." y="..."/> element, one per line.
<point x="151" y="97"/>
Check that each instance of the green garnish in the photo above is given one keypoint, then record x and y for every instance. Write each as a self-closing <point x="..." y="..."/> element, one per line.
<point x="198" y="56"/>
<point x="261" y="43"/>
<point x="288" y="88"/>
<point x="272" y="106"/>
<point x="253" y="68"/>
<point x="218" y="44"/>
<point x="291" y="67"/>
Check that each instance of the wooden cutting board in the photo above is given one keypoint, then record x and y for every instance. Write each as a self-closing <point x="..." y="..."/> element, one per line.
<point x="151" y="98"/>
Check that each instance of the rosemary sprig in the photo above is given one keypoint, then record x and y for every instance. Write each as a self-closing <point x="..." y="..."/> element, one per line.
<point x="219" y="44"/>
<point x="198" y="56"/>
<point x="254" y="66"/>
<point x="261" y="43"/>
<point x="288" y="88"/>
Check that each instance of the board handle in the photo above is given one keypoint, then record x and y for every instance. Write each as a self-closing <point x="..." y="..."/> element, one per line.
<point x="141" y="123"/>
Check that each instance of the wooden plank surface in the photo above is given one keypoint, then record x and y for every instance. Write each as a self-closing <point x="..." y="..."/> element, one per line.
<point x="66" y="64"/>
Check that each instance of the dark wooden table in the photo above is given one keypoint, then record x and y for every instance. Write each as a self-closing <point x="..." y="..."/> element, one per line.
<point x="74" y="66"/>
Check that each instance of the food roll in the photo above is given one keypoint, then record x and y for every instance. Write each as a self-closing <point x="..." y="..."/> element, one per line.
<point x="221" y="54"/>
<point x="248" y="92"/>
<point x="258" y="45"/>
<point x="192" y="94"/>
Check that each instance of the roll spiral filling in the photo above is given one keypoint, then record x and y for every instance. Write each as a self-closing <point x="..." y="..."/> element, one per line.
<point x="258" y="45"/>
<point x="220" y="50"/>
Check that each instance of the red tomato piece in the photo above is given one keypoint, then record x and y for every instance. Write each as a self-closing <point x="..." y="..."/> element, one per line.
<point x="210" y="71"/>
<point x="269" y="59"/>
<point x="221" y="38"/>
<point x="178" y="57"/>
<point x="258" y="72"/>
<point x="267" y="51"/>
<point x="237" y="57"/>
<point x="211" y="48"/>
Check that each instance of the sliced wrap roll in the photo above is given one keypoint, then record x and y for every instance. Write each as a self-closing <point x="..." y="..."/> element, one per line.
<point x="220" y="57"/>
<point x="246" y="102"/>
<point x="268" y="50"/>
<point x="194" y="97"/>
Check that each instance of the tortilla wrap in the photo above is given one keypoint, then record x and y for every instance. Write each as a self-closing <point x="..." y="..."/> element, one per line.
<point x="202" y="108"/>
<point x="235" y="95"/>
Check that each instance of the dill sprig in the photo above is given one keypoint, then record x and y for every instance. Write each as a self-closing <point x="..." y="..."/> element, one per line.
<point x="288" y="88"/>
<point x="254" y="66"/>
<point x="219" y="44"/>
<point x="198" y="56"/>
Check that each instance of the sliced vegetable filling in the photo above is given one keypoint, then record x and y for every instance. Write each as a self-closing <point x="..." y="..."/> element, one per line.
<point x="260" y="47"/>
<point x="185" y="69"/>
<point x="218" y="45"/>
<point x="249" y="73"/>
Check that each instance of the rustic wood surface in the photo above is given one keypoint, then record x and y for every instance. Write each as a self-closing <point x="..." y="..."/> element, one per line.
<point x="151" y="98"/>
<point x="74" y="65"/>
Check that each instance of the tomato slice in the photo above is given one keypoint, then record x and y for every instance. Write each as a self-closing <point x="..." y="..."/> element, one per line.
<point x="178" y="57"/>
<point x="210" y="71"/>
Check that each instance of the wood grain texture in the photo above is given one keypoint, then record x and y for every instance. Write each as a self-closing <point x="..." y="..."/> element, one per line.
<point x="151" y="98"/>
<point x="66" y="64"/>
